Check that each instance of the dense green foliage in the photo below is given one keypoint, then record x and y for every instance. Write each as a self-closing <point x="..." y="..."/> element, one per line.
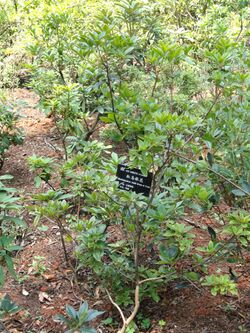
<point x="166" y="84"/>
<point x="10" y="134"/>
<point x="9" y="224"/>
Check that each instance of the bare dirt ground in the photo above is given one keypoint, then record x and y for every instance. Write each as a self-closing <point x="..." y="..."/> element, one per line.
<point x="44" y="293"/>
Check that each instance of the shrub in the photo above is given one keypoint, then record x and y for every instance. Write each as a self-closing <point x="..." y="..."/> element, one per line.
<point x="8" y="205"/>
<point x="10" y="134"/>
<point x="175" y="104"/>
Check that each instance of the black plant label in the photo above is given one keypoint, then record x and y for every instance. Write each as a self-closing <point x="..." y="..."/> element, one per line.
<point x="133" y="180"/>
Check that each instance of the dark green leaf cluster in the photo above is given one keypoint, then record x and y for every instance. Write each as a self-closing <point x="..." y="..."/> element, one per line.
<point x="79" y="320"/>
<point x="10" y="134"/>
<point x="8" y="205"/>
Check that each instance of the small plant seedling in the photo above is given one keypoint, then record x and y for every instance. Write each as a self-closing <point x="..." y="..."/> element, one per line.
<point x="132" y="328"/>
<point x="79" y="320"/>
<point x="38" y="264"/>
<point x="162" y="323"/>
<point x="44" y="167"/>
<point x="220" y="284"/>
<point x="144" y="323"/>
<point x="242" y="328"/>
<point x="107" y="321"/>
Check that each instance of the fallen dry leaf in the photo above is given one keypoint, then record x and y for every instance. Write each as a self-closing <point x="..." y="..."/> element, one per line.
<point x="25" y="292"/>
<point x="44" y="288"/>
<point x="97" y="293"/>
<point x="43" y="297"/>
<point x="49" y="277"/>
<point x="57" y="285"/>
<point x="30" y="270"/>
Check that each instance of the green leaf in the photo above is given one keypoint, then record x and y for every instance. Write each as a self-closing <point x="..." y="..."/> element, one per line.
<point x="239" y="193"/>
<point x="1" y="276"/>
<point x="92" y="314"/>
<point x="5" y="198"/>
<point x="107" y="321"/>
<point x="43" y="228"/>
<point x="246" y="186"/>
<point x="115" y="158"/>
<point x="201" y="165"/>
<point x="19" y="222"/>
<point x="214" y="291"/>
<point x="83" y="307"/>
<point x="212" y="233"/>
<point x="98" y="255"/>
<point x="10" y="266"/>
<point x="8" y="306"/>
<point x="6" y="177"/>
<point x="193" y="276"/>
<point x="71" y="311"/>
<point x="87" y="330"/>
<point x="210" y="158"/>
<point x="37" y="181"/>
<point x="14" y="247"/>
<point x="214" y="198"/>
<point x="169" y="253"/>
<point x="83" y="312"/>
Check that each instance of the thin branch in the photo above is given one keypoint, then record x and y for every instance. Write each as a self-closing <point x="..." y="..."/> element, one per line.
<point x="137" y="245"/>
<point x="193" y="284"/>
<point x="116" y="202"/>
<point x="127" y="321"/>
<point x="4" y="30"/>
<point x="191" y="223"/>
<point x="15" y="5"/>
<point x="86" y="124"/>
<point x="171" y="88"/>
<point x="241" y="28"/>
<point x="50" y="185"/>
<point x="159" y="173"/>
<point x="155" y="279"/>
<point x="61" y="230"/>
<point x="93" y="128"/>
<point x="118" y="308"/>
<point x="61" y="75"/>
<point x="214" y="254"/>
<point x="106" y="66"/>
<point x="137" y="305"/>
<point x="155" y="82"/>
<point x="204" y="118"/>
<point x="213" y="171"/>
<point x="65" y="146"/>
